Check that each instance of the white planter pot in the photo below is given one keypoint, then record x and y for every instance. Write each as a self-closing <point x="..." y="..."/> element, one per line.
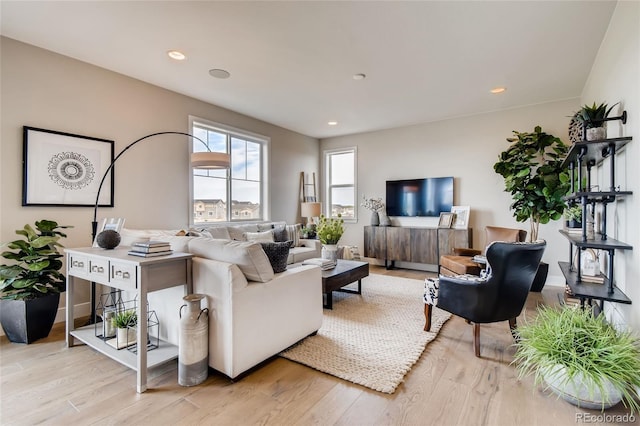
<point x="330" y="251"/>
<point x="576" y="390"/>
<point x="596" y="133"/>
<point x="126" y="337"/>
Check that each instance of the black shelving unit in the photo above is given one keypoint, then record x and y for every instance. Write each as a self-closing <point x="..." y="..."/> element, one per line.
<point x="581" y="158"/>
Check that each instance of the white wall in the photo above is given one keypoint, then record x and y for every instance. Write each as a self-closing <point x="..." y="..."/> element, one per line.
<point x="465" y="148"/>
<point x="615" y="78"/>
<point x="43" y="89"/>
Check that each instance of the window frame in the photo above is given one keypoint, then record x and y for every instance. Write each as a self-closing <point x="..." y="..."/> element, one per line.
<point x="231" y="132"/>
<point x="326" y="155"/>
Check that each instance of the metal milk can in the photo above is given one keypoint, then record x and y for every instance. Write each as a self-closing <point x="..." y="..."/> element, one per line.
<point x="193" y="342"/>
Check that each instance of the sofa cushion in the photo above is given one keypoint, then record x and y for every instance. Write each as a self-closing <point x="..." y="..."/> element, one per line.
<point x="293" y="234"/>
<point x="278" y="254"/>
<point x="280" y="233"/>
<point x="248" y="255"/>
<point x="219" y="232"/>
<point x="266" y="236"/>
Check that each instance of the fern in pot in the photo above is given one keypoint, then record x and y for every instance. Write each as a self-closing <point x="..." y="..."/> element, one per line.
<point x="581" y="358"/>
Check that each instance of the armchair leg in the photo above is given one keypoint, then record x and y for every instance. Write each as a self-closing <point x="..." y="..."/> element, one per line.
<point x="514" y="330"/>
<point x="427" y="316"/>
<point x="476" y="339"/>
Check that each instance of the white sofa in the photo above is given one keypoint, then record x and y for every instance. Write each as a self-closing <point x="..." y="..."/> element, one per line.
<point x="254" y="312"/>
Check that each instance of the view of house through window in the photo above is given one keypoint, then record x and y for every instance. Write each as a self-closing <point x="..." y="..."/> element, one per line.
<point x="340" y="167"/>
<point x="229" y="195"/>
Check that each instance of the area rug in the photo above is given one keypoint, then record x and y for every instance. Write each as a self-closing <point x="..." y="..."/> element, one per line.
<point x="372" y="339"/>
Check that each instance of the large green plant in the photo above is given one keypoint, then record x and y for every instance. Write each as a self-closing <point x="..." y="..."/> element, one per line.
<point x="534" y="176"/>
<point x="36" y="271"/>
<point x="585" y="345"/>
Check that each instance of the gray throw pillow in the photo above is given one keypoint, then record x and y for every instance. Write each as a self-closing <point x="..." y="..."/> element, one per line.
<point x="278" y="253"/>
<point x="280" y="233"/>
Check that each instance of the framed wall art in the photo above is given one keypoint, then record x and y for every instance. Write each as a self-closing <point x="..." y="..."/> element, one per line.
<point x="461" y="219"/>
<point x="63" y="169"/>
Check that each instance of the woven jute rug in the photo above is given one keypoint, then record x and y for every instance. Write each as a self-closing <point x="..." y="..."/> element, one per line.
<point x="374" y="338"/>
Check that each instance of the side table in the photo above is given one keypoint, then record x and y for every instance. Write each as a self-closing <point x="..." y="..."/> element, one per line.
<point x="115" y="268"/>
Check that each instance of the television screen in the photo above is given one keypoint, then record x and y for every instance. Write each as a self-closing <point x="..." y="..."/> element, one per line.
<point x="419" y="197"/>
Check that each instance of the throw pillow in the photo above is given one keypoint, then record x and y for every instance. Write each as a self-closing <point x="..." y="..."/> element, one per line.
<point x="219" y="232"/>
<point x="265" y="227"/>
<point x="236" y="233"/>
<point x="259" y="236"/>
<point x="278" y="253"/>
<point x="293" y="234"/>
<point x="280" y="233"/>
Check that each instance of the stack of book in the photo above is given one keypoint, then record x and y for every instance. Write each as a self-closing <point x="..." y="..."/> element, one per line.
<point x="150" y="249"/>
<point x="324" y="264"/>
<point x="596" y="279"/>
<point x="569" y="298"/>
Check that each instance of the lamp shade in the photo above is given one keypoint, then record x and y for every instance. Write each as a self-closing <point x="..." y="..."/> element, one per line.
<point x="210" y="160"/>
<point x="310" y="209"/>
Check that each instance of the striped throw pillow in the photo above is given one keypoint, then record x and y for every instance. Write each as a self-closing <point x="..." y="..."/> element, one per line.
<point x="293" y="234"/>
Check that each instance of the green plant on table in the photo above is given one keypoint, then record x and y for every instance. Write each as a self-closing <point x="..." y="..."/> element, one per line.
<point x="124" y="319"/>
<point x="574" y="213"/>
<point x="585" y="345"/>
<point x="533" y="174"/>
<point x="36" y="271"/>
<point x="330" y="230"/>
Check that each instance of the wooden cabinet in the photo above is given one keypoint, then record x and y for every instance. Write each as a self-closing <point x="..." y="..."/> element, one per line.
<point x="413" y="244"/>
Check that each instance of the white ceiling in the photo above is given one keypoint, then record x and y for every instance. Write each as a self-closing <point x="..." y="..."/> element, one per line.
<point x="292" y="63"/>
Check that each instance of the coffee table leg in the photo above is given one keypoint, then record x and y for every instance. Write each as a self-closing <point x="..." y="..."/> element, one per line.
<point x="329" y="304"/>
<point x="359" y="286"/>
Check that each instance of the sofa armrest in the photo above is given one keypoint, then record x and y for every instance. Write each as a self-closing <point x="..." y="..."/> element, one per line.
<point x="311" y="243"/>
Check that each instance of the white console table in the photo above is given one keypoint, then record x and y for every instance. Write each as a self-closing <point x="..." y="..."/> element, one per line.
<point x="115" y="268"/>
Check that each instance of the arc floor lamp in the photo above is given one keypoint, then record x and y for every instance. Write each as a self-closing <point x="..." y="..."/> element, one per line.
<point x="199" y="160"/>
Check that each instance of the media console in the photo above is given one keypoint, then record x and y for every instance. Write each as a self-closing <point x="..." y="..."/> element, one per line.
<point x="413" y="244"/>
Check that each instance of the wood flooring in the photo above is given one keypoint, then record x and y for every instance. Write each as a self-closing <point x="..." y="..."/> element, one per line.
<point x="47" y="383"/>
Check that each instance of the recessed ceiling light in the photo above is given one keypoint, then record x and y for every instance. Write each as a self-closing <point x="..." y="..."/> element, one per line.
<point x="177" y="55"/>
<point x="359" y="76"/>
<point x="332" y="123"/>
<point x="497" y="90"/>
<point x="218" y="73"/>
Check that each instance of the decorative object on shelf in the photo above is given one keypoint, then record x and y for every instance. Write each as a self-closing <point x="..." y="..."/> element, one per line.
<point x="125" y="323"/>
<point x="62" y="169"/>
<point x="199" y="160"/>
<point x="446" y="220"/>
<point x="376" y="205"/>
<point x="575" y="129"/>
<point x="594" y="120"/>
<point x="108" y="239"/>
<point x="461" y="216"/>
<point x="582" y="358"/>
<point x="193" y="345"/>
<point x="573" y="215"/>
<point x="384" y="218"/>
<point x="534" y="175"/>
<point x="109" y="224"/>
<point x="31" y="285"/>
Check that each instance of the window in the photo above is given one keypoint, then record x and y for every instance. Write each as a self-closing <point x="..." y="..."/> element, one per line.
<point x="340" y="172"/>
<point x="235" y="194"/>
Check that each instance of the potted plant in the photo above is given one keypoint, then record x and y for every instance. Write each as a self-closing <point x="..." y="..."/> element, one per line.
<point x="30" y="286"/>
<point x="573" y="215"/>
<point x="593" y="118"/>
<point x="580" y="357"/>
<point x="329" y="231"/>
<point x="125" y="323"/>
<point x="534" y="176"/>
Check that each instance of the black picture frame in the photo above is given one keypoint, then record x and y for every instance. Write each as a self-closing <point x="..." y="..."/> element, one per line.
<point x="64" y="169"/>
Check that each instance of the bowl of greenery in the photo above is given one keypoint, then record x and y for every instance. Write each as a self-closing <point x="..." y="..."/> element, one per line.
<point x="580" y="357"/>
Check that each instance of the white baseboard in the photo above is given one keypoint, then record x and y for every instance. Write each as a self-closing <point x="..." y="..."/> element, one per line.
<point x="80" y="310"/>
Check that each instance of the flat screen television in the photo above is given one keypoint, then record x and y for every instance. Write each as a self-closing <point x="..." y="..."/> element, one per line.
<point x="419" y="197"/>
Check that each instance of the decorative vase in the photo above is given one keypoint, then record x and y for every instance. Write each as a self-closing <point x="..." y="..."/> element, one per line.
<point x="576" y="390"/>
<point x="596" y="133"/>
<point x="330" y="251"/>
<point x="384" y="219"/>
<point x="25" y="321"/>
<point x="375" y="219"/>
<point x="193" y="342"/>
<point x="108" y="239"/>
<point x="126" y="337"/>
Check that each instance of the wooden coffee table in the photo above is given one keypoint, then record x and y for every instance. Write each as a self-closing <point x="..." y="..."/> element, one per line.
<point x="345" y="272"/>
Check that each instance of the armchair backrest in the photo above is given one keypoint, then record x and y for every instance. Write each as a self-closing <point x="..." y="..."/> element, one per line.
<point x="513" y="268"/>
<point x="496" y="233"/>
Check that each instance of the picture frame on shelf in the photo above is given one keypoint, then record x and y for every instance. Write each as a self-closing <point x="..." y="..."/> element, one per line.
<point x="111" y="223"/>
<point x="461" y="216"/>
<point x="64" y="169"/>
<point x="446" y="220"/>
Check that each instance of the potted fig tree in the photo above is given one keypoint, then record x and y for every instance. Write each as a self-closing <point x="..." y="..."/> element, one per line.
<point x="534" y="176"/>
<point x="30" y="286"/>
